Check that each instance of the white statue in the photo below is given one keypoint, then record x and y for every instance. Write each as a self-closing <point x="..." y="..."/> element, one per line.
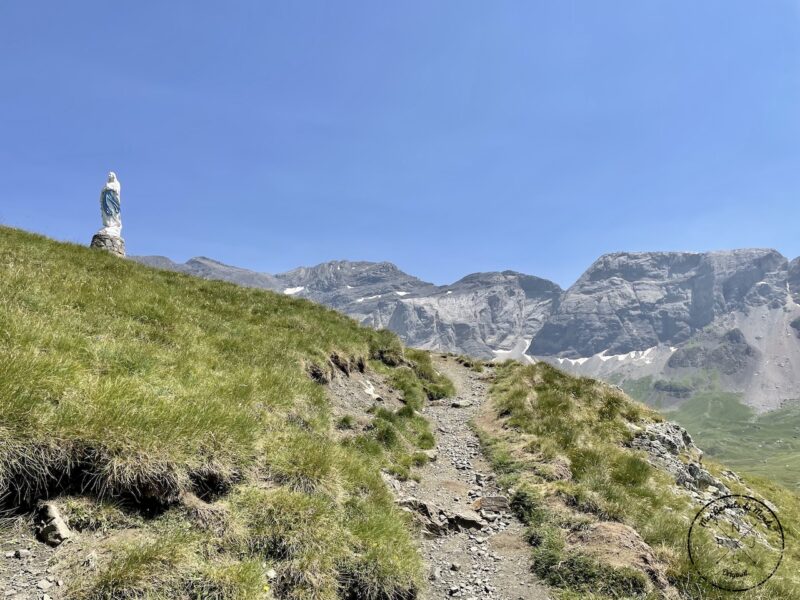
<point x="109" y="207"/>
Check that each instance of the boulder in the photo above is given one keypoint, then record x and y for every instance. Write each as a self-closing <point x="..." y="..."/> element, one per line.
<point x="466" y="519"/>
<point x="52" y="529"/>
<point x="496" y="504"/>
<point x="430" y="517"/>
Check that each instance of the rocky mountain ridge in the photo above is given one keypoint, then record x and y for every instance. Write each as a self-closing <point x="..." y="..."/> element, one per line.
<point x="731" y="316"/>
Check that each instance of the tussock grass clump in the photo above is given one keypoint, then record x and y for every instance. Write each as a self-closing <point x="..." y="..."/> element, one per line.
<point x="87" y="514"/>
<point x="190" y="401"/>
<point x="302" y="532"/>
<point x="581" y="572"/>
<point x="346" y="422"/>
<point x="168" y="562"/>
<point x="563" y="445"/>
<point x="395" y="438"/>
<point x="475" y="364"/>
<point x="419" y="381"/>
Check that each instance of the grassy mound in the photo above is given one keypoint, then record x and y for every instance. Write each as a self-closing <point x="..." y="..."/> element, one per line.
<point x="590" y="500"/>
<point x="191" y="401"/>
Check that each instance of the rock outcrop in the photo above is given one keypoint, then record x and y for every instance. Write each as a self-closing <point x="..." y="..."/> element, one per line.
<point x="670" y="448"/>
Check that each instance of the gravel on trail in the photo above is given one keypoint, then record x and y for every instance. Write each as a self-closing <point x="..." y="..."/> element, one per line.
<point x="492" y="561"/>
<point x="477" y="549"/>
<point x="26" y="571"/>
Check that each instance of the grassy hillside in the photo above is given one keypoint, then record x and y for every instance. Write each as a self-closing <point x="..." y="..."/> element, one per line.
<point x="563" y="444"/>
<point x="181" y="413"/>
<point x="766" y="445"/>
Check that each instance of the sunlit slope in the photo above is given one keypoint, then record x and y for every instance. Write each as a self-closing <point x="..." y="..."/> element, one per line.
<point x="767" y="445"/>
<point x="607" y="518"/>
<point x="157" y="391"/>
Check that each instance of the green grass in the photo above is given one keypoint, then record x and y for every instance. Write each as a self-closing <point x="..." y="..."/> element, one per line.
<point x="474" y="364"/>
<point x="145" y="388"/>
<point x="655" y="392"/>
<point x="418" y="380"/>
<point x="547" y="421"/>
<point x="766" y="445"/>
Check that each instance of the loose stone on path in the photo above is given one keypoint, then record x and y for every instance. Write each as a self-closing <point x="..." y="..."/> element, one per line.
<point x="475" y="547"/>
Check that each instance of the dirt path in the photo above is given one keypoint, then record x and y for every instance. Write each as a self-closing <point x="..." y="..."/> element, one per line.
<point x="26" y="570"/>
<point x="490" y="562"/>
<point x="484" y="556"/>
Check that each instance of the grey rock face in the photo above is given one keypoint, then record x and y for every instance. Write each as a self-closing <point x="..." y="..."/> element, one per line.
<point x="367" y="291"/>
<point x="794" y="279"/>
<point x="211" y="269"/>
<point x="478" y="315"/>
<point x="481" y="315"/>
<point x="729" y="354"/>
<point x="634" y="301"/>
<point x="346" y="281"/>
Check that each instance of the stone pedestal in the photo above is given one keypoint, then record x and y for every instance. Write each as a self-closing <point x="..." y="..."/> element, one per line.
<point x="109" y="243"/>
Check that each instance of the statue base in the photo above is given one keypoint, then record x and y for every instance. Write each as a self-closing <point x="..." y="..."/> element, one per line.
<point x="112" y="244"/>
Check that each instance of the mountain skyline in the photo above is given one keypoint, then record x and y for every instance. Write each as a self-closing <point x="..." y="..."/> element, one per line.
<point x="564" y="285"/>
<point x="676" y="324"/>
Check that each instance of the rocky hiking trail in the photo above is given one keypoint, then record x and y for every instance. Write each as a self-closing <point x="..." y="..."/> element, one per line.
<point x="474" y="546"/>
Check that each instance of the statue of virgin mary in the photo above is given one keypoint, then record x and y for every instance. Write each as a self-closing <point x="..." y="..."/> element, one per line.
<point x="110" y="207"/>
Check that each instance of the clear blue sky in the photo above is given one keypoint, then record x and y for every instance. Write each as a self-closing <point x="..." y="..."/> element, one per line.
<point x="447" y="137"/>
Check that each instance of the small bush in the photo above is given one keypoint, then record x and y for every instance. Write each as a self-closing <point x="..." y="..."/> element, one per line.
<point x="346" y="422"/>
<point x="527" y="505"/>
